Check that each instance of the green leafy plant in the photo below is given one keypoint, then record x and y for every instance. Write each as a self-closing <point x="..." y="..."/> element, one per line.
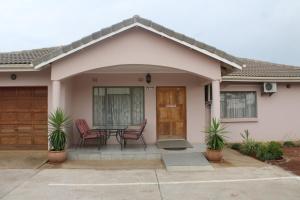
<point x="236" y="146"/>
<point x="215" y="138"/>
<point x="269" y="151"/>
<point x="58" y="122"/>
<point x="249" y="145"/>
<point x="289" y="144"/>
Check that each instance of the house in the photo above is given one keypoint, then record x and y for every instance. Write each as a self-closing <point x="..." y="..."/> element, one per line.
<point x="138" y="69"/>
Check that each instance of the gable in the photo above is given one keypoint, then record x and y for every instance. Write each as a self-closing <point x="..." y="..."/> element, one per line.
<point x="137" y="21"/>
<point x="136" y="47"/>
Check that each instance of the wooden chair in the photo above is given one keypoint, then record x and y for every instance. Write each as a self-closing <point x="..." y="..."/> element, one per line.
<point x="135" y="134"/>
<point x="88" y="134"/>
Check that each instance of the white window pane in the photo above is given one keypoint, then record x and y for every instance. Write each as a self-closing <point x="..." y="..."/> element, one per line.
<point x="118" y="105"/>
<point x="238" y="104"/>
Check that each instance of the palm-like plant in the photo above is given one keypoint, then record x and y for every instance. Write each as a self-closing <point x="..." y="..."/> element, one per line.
<point x="58" y="122"/>
<point x="215" y="138"/>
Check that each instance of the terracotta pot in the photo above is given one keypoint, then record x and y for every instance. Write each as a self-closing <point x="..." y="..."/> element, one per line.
<point x="57" y="156"/>
<point x="214" y="155"/>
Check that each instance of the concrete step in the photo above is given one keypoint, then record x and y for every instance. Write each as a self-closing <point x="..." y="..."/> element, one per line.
<point x="113" y="152"/>
<point x="191" y="161"/>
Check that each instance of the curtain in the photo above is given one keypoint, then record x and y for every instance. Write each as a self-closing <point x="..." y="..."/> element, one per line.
<point x="118" y="106"/>
<point x="238" y="105"/>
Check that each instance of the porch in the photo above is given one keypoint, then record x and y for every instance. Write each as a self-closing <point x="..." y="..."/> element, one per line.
<point x="173" y="102"/>
<point x="83" y="86"/>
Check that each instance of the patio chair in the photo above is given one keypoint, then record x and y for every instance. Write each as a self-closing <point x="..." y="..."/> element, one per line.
<point x="88" y="134"/>
<point x="135" y="134"/>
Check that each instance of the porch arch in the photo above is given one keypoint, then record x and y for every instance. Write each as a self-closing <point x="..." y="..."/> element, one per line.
<point x="136" y="47"/>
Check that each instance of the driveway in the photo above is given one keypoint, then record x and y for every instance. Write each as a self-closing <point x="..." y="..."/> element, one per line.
<point x="22" y="159"/>
<point x="223" y="183"/>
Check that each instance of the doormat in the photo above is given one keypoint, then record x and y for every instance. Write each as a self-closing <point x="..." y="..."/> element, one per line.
<point x="174" y="144"/>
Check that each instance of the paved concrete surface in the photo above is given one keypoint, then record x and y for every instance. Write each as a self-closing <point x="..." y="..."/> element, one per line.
<point x="107" y="164"/>
<point x="22" y="159"/>
<point x="192" y="161"/>
<point x="223" y="183"/>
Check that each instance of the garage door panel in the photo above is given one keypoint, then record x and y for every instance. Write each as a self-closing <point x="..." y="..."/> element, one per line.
<point x="25" y="92"/>
<point x="40" y="105"/>
<point x="25" y="140"/>
<point x="40" y="132"/>
<point x="40" y="116"/>
<point x="40" y="126"/>
<point x="8" y="128"/>
<point x="8" y="118"/>
<point x="23" y="118"/>
<point x="8" y="104"/>
<point x="9" y="140"/>
<point x="25" y="129"/>
<point x="24" y="105"/>
<point x="41" y="140"/>
<point x="40" y="93"/>
<point x="9" y="92"/>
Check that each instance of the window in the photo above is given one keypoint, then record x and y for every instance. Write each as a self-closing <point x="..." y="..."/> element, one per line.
<point x="238" y="105"/>
<point x="118" y="105"/>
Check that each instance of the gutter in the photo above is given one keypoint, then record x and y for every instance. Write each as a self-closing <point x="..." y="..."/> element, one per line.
<point x="260" y="79"/>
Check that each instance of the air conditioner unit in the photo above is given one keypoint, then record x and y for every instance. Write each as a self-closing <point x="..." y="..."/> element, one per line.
<point x="270" y="87"/>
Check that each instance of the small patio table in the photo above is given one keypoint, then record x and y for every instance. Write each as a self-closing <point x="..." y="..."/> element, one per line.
<point x="112" y="130"/>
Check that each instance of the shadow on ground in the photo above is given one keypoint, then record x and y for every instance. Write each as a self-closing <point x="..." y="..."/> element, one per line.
<point x="22" y="159"/>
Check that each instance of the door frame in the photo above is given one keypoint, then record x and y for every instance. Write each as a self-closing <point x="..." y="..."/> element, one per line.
<point x="185" y="113"/>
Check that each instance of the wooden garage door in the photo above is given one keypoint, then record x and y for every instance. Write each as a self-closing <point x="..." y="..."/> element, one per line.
<point x="23" y="118"/>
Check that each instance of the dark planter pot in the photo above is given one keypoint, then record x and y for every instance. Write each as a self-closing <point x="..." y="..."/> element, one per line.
<point x="214" y="155"/>
<point x="57" y="156"/>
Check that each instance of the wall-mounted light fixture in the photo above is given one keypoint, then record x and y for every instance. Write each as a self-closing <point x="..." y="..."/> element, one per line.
<point x="148" y="78"/>
<point x="13" y="76"/>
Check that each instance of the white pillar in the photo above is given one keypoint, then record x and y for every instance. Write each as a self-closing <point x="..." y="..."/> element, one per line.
<point x="216" y="104"/>
<point x="55" y="95"/>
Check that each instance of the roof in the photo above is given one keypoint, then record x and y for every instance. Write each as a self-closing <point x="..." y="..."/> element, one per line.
<point x="40" y="57"/>
<point x="24" y="57"/>
<point x="260" y="69"/>
<point x="135" y="21"/>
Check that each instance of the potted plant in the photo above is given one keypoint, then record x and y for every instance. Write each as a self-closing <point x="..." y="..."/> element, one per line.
<point x="215" y="140"/>
<point x="58" y="122"/>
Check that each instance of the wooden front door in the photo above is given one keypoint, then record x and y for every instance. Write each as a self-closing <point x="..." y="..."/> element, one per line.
<point x="23" y="118"/>
<point x="171" y="112"/>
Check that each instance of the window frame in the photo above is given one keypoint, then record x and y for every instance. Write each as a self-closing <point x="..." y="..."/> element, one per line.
<point x="106" y="87"/>
<point x="241" y="119"/>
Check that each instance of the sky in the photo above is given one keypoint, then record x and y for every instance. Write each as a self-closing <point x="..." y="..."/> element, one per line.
<point x="266" y="30"/>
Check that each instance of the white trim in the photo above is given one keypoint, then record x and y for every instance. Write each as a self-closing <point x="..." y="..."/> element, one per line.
<point x="260" y="79"/>
<point x="239" y="120"/>
<point x="16" y="67"/>
<point x="147" y="28"/>
<point x="18" y="70"/>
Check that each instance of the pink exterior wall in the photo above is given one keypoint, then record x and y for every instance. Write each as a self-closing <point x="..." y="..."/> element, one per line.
<point x="136" y="46"/>
<point x="278" y="115"/>
<point x="82" y="99"/>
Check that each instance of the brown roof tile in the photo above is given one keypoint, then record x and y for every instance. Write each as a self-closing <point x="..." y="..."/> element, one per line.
<point x="24" y="57"/>
<point x="257" y="68"/>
